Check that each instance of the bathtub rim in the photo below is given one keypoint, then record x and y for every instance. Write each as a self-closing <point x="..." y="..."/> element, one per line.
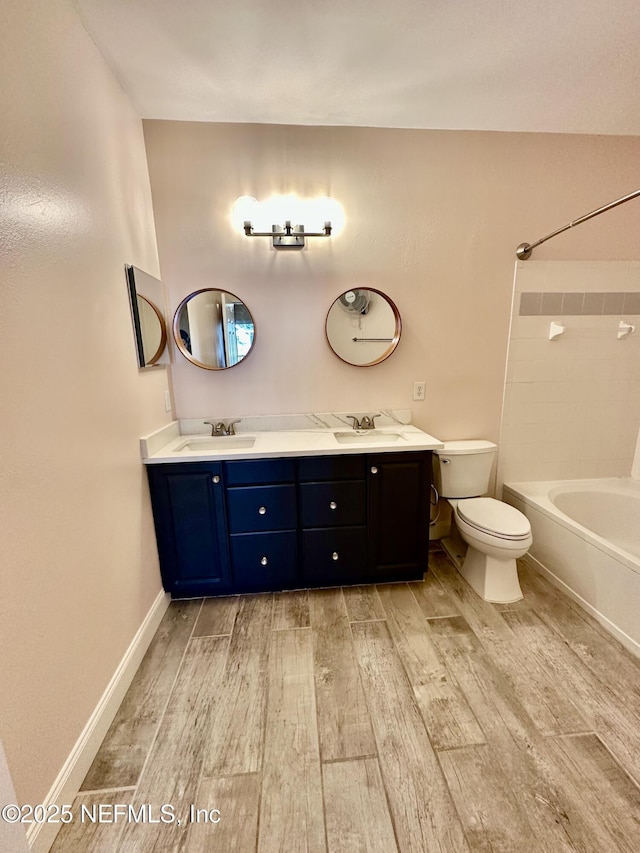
<point x="538" y="494"/>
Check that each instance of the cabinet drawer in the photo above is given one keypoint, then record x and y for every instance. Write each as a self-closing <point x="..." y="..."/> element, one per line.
<point x="255" y="472"/>
<point x="261" y="508"/>
<point x="335" y="555"/>
<point x="337" y="503"/>
<point x="264" y="561"/>
<point x="331" y="468"/>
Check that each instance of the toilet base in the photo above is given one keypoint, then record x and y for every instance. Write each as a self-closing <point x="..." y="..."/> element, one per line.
<point x="494" y="580"/>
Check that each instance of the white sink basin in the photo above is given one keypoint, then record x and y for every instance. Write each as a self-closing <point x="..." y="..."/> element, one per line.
<point x="222" y="442"/>
<point x="370" y="436"/>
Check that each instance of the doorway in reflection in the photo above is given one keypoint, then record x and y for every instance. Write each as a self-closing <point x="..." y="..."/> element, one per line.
<point x="214" y="329"/>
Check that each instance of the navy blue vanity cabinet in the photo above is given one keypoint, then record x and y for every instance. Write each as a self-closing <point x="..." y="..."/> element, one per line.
<point x="191" y="528"/>
<point x="262" y="518"/>
<point x="333" y="519"/>
<point x="262" y="525"/>
<point x="399" y="486"/>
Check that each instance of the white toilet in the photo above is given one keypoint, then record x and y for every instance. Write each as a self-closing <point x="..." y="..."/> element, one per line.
<point x="497" y="534"/>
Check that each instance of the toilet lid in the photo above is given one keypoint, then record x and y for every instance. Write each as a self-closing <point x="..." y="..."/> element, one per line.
<point x="491" y="516"/>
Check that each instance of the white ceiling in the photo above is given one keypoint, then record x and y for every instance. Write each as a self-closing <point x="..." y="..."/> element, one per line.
<point x="568" y="66"/>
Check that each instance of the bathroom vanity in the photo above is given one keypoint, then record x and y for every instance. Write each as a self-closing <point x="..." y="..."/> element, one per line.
<point x="240" y="521"/>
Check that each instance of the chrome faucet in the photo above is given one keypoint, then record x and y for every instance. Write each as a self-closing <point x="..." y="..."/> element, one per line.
<point x="217" y="429"/>
<point x="365" y="422"/>
<point x="220" y="428"/>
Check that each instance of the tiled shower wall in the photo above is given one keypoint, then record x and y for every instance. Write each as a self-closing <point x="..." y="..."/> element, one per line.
<point x="572" y="405"/>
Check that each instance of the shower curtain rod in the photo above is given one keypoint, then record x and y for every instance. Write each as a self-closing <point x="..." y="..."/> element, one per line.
<point x="524" y="250"/>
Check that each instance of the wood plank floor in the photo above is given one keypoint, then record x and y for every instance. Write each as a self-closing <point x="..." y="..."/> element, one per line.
<point x="403" y="718"/>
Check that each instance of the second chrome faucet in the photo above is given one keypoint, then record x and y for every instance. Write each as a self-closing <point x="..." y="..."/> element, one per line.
<point x="220" y="428"/>
<point x="365" y="422"/>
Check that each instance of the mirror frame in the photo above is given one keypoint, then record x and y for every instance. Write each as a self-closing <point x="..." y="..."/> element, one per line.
<point x="395" y="340"/>
<point x="134" y="295"/>
<point x="178" y="340"/>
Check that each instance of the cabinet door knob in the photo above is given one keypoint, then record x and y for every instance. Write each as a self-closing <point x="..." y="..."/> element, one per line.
<point x="333" y="505"/>
<point x="374" y="470"/>
<point x="262" y="510"/>
<point x="216" y="478"/>
<point x="264" y="561"/>
<point x="334" y="556"/>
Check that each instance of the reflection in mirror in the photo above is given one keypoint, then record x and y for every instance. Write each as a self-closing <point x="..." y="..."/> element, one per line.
<point x="152" y="329"/>
<point x="363" y="327"/>
<point x="213" y="329"/>
<point x="146" y="294"/>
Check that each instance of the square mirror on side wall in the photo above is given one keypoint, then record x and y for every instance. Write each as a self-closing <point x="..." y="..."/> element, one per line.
<point x="146" y="297"/>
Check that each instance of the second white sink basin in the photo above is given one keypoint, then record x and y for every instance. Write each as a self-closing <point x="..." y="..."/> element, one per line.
<point x="370" y="436"/>
<point x="204" y="445"/>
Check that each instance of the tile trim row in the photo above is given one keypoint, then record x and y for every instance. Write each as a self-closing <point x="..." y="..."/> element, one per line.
<point x="578" y="304"/>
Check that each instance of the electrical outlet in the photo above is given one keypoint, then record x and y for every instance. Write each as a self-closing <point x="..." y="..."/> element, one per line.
<point x="167" y="401"/>
<point x="419" y="390"/>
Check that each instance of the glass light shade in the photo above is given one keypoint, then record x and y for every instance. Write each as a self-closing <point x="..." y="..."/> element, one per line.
<point x="284" y="208"/>
<point x="324" y="209"/>
<point x="244" y="208"/>
<point x="277" y="209"/>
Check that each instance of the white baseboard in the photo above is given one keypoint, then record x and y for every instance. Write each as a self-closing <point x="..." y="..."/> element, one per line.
<point x="12" y="835"/>
<point x="66" y="786"/>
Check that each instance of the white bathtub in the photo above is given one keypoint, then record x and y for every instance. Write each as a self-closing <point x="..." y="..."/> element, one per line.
<point x="586" y="540"/>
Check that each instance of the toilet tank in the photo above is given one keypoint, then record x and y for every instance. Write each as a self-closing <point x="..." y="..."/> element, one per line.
<point x="462" y="468"/>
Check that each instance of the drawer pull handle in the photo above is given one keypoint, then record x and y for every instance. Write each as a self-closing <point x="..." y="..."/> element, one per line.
<point x="216" y="478"/>
<point x="262" y="510"/>
<point x="374" y="470"/>
<point x="264" y="561"/>
<point x="334" y="556"/>
<point x="333" y="505"/>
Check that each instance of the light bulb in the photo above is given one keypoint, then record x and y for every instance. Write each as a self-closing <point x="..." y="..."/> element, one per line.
<point x="243" y="210"/>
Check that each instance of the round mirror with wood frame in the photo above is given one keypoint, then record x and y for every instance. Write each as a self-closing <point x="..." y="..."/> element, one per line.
<point x="213" y="329"/>
<point x="363" y="326"/>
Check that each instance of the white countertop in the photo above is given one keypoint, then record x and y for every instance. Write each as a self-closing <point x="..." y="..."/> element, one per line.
<point x="171" y="445"/>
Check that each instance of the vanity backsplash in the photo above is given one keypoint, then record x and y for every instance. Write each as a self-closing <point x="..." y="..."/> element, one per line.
<point x="311" y="420"/>
<point x="155" y="441"/>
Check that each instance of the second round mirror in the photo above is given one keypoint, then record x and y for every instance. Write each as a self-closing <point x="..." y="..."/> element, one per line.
<point x="363" y="326"/>
<point x="213" y="329"/>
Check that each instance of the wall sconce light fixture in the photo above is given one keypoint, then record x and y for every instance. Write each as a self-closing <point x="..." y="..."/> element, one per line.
<point x="317" y="217"/>
<point x="287" y="236"/>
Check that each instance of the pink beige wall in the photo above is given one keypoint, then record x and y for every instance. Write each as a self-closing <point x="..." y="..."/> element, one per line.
<point x="433" y="218"/>
<point x="78" y="566"/>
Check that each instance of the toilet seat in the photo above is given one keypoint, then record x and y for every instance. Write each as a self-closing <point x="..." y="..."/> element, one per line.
<point x="494" y="518"/>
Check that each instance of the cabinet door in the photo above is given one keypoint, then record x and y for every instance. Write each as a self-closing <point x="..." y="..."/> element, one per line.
<point x="188" y="508"/>
<point x="399" y="488"/>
